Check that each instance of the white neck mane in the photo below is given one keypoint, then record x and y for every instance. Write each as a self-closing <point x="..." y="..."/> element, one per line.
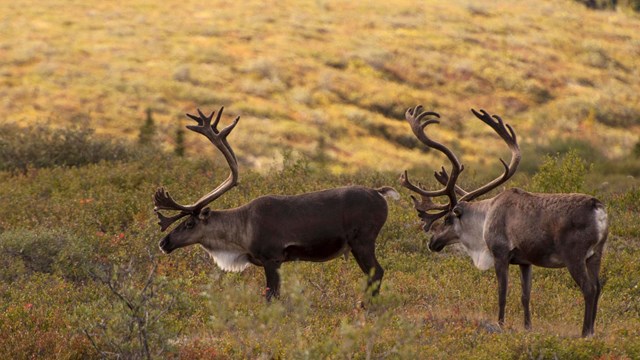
<point x="473" y="242"/>
<point x="229" y="260"/>
<point x="482" y="258"/>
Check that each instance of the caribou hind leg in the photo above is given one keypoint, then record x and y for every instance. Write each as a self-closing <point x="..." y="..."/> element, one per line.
<point x="593" y="267"/>
<point x="366" y="258"/>
<point x="590" y="289"/>
<point x="525" y="277"/>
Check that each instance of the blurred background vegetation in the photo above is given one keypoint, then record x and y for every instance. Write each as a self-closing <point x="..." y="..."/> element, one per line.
<point x="330" y="77"/>
<point x="91" y="122"/>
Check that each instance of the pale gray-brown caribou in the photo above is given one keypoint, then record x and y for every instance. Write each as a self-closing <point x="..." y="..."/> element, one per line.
<point x="514" y="227"/>
<point x="270" y="230"/>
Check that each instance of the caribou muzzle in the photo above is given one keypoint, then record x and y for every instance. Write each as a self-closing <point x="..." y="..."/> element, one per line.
<point x="165" y="245"/>
<point x="435" y="245"/>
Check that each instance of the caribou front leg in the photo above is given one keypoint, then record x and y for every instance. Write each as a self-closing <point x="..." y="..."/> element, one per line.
<point x="502" y="273"/>
<point x="271" y="269"/>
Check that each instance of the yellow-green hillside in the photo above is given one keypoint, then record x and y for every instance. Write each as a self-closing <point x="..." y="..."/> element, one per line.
<point x="327" y="76"/>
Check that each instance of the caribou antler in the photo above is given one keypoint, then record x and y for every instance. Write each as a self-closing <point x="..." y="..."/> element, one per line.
<point x="508" y="135"/>
<point x="449" y="181"/>
<point x="414" y="117"/>
<point x="164" y="201"/>
<point x="425" y="206"/>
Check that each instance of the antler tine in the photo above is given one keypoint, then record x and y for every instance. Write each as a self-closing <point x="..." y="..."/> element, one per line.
<point x="163" y="201"/>
<point x="165" y="222"/>
<point x="404" y="181"/>
<point x="215" y="123"/>
<point x="505" y="131"/>
<point x="495" y="122"/>
<point x="202" y="119"/>
<point x="425" y="206"/>
<point x="430" y="218"/>
<point x="443" y="178"/>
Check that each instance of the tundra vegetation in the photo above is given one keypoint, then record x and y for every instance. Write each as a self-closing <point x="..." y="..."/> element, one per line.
<point x="80" y="272"/>
<point x="81" y="275"/>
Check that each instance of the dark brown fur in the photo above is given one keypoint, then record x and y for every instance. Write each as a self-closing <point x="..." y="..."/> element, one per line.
<point x="271" y="230"/>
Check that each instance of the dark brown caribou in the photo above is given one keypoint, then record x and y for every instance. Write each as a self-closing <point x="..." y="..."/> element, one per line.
<point x="514" y="227"/>
<point x="274" y="229"/>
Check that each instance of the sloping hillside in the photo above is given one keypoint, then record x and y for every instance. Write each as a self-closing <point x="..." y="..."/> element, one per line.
<point x="328" y="77"/>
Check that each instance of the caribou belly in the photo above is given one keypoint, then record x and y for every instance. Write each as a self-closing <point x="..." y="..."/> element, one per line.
<point x="319" y="251"/>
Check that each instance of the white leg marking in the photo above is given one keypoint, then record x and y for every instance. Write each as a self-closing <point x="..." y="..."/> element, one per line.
<point x="600" y="216"/>
<point x="601" y="223"/>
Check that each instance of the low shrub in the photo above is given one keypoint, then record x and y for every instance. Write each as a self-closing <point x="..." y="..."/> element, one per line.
<point x="561" y="174"/>
<point x="41" y="147"/>
<point x="47" y="251"/>
<point x="139" y="314"/>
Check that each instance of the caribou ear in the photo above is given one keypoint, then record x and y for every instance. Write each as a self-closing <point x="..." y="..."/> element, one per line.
<point x="204" y="214"/>
<point x="457" y="211"/>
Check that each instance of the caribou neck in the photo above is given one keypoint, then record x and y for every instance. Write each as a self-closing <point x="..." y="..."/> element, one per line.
<point x="472" y="221"/>
<point x="226" y="230"/>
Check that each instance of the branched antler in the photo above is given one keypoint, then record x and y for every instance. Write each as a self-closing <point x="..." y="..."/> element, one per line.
<point x="426" y="206"/>
<point x="164" y="201"/>
<point x="509" y="136"/>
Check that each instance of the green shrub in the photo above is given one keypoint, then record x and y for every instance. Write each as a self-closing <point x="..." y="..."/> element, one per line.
<point x="26" y="252"/>
<point x="140" y="312"/>
<point x="147" y="130"/>
<point x="35" y="250"/>
<point x="582" y="150"/>
<point x="41" y="147"/>
<point x="85" y="291"/>
<point x="36" y="320"/>
<point x="179" y="146"/>
<point x="561" y="174"/>
<point x="631" y="4"/>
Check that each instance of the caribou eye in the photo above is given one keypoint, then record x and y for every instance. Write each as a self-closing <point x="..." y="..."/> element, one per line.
<point x="189" y="224"/>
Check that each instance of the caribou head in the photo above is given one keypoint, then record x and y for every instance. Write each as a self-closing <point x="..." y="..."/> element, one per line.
<point x="193" y="229"/>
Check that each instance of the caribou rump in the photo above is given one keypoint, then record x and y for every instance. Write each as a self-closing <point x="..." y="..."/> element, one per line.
<point x="274" y="229"/>
<point x="514" y="227"/>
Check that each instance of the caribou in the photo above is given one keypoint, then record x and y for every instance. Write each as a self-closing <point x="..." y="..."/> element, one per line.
<point x="515" y="227"/>
<point x="273" y="229"/>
